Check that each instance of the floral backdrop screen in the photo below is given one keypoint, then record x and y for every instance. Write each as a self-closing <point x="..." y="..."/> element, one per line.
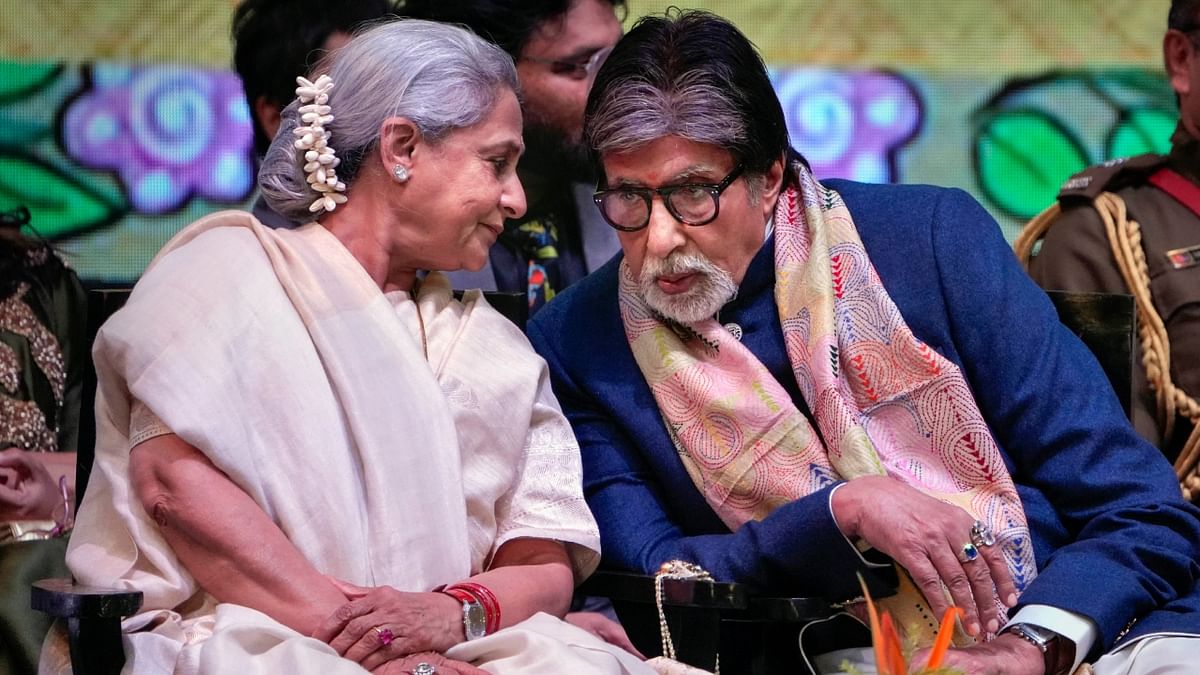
<point x="120" y="124"/>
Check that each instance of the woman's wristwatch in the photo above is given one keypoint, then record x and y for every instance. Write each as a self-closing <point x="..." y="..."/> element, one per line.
<point x="474" y="615"/>
<point x="481" y="609"/>
<point x="1057" y="651"/>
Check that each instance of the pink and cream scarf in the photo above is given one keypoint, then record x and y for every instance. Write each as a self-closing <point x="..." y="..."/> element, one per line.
<point x="884" y="402"/>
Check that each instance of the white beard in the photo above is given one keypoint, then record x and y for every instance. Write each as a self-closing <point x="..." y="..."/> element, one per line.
<point x="712" y="289"/>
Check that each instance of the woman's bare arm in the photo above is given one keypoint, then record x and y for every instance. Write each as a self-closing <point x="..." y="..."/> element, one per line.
<point x="224" y="539"/>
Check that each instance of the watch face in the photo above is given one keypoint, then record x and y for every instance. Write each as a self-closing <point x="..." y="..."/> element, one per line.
<point x="474" y="620"/>
<point x="1044" y="634"/>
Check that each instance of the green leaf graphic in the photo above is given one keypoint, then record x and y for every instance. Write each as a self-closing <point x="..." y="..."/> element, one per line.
<point x="59" y="205"/>
<point x="1023" y="156"/>
<point x="18" y="79"/>
<point x="1142" y="131"/>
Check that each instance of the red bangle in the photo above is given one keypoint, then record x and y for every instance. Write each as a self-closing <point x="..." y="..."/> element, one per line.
<point x="459" y="594"/>
<point x="484" y="596"/>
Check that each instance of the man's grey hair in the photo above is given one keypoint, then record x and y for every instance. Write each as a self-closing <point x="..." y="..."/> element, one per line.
<point x="438" y="76"/>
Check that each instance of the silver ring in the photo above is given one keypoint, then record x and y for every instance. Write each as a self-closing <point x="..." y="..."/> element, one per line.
<point x="969" y="553"/>
<point x="982" y="535"/>
<point x="423" y="668"/>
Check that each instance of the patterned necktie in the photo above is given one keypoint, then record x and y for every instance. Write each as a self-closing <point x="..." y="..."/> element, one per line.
<point x="540" y="246"/>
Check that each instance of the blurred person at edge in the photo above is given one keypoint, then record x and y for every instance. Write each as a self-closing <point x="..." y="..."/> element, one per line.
<point x="43" y="348"/>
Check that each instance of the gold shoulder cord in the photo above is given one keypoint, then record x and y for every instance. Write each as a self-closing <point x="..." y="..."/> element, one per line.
<point x="1125" y="238"/>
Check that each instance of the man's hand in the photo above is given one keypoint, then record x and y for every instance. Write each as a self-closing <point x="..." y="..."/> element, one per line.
<point x="925" y="536"/>
<point x="1006" y="655"/>
<point x="27" y="490"/>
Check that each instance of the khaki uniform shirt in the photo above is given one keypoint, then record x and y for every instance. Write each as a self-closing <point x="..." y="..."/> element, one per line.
<point x="1076" y="256"/>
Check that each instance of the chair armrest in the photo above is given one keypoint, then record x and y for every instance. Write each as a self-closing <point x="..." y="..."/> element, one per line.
<point x="65" y="599"/>
<point x="732" y="599"/>
<point x="630" y="587"/>
<point x="92" y="618"/>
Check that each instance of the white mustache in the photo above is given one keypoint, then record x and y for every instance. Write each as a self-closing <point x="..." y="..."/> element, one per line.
<point x="677" y="263"/>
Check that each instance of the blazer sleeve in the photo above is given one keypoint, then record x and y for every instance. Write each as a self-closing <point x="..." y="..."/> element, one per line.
<point x="798" y="549"/>
<point x="1045" y="398"/>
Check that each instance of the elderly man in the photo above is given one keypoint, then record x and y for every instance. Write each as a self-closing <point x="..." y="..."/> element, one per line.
<point x="780" y="373"/>
<point x="558" y="46"/>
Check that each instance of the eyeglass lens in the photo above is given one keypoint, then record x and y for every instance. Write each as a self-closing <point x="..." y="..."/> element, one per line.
<point x="694" y="205"/>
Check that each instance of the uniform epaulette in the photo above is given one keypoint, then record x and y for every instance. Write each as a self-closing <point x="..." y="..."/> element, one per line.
<point x="1109" y="176"/>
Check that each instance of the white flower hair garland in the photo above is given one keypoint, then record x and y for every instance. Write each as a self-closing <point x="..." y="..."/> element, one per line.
<point x="320" y="162"/>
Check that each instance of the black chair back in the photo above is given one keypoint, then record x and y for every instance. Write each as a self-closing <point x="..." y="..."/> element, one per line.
<point x="1107" y="324"/>
<point x="101" y="304"/>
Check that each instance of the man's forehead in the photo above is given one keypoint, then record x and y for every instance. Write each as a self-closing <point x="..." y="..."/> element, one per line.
<point x="663" y="162"/>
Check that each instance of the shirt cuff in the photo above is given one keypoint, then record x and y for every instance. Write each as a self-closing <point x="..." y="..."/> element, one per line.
<point x="858" y="547"/>
<point x="1074" y="627"/>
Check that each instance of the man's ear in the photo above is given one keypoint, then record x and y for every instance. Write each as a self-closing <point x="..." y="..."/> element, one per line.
<point x="399" y="143"/>
<point x="267" y="114"/>
<point x="1178" y="53"/>
<point x="772" y="185"/>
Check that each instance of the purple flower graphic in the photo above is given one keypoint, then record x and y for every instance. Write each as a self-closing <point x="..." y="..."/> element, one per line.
<point x="170" y="133"/>
<point x="848" y="125"/>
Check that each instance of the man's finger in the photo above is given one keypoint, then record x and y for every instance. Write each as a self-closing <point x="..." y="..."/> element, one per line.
<point x="984" y="589"/>
<point x="951" y="570"/>
<point x="928" y="581"/>
<point x="1001" y="575"/>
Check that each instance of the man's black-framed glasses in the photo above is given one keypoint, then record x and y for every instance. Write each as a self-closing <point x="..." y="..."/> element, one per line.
<point x="628" y="208"/>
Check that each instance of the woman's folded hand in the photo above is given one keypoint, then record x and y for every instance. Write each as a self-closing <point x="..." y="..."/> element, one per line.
<point x="382" y="624"/>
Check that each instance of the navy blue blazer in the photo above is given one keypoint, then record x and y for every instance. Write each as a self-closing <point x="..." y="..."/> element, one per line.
<point x="1112" y="537"/>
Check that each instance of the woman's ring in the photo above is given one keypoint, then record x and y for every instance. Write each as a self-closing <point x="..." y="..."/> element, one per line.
<point x="424" y="669"/>
<point x="969" y="553"/>
<point x="982" y="535"/>
<point x="385" y="635"/>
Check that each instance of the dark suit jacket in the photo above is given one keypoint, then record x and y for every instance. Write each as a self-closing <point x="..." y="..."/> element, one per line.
<point x="1111" y="535"/>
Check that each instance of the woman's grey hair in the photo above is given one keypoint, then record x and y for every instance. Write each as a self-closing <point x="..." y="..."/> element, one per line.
<point x="441" y="77"/>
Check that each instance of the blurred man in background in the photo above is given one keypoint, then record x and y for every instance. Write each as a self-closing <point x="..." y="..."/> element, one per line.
<point x="558" y="46"/>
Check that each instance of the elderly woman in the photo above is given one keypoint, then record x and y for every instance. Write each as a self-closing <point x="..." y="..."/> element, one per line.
<point x="309" y="458"/>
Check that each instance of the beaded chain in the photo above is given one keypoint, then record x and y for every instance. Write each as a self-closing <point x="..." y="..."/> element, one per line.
<point x="681" y="570"/>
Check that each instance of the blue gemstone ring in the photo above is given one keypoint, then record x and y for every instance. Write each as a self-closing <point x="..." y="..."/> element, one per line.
<point x="969" y="553"/>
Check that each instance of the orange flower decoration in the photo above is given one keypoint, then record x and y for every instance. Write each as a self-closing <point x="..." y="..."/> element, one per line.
<point x="889" y="650"/>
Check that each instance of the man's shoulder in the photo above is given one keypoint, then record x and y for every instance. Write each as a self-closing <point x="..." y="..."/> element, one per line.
<point x="1113" y="175"/>
<point x="871" y="202"/>
<point x="898" y="220"/>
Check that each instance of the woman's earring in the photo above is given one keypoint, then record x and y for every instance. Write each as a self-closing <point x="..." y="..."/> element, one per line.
<point x="400" y="173"/>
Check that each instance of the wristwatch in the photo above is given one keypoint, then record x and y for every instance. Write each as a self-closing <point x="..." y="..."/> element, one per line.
<point x="474" y="615"/>
<point x="474" y="619"/>
<point x="1057" y="651"/>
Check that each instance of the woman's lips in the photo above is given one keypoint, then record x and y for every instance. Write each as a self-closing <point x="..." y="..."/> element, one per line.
<point x="673" y="284"/>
